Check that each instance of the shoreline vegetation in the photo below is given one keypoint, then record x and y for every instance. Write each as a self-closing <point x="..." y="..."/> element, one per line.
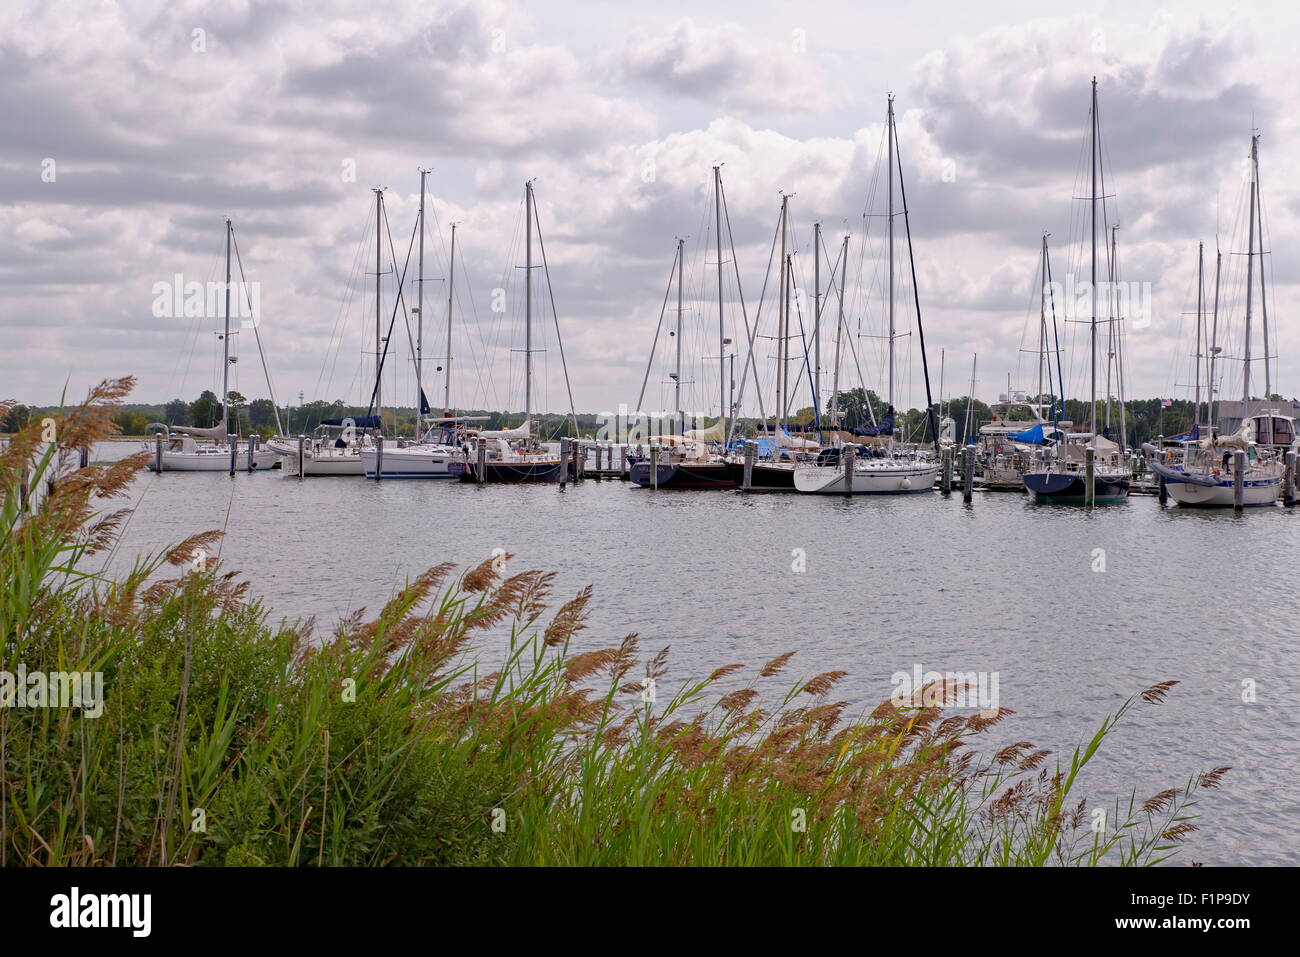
<point x="224" y="739"/>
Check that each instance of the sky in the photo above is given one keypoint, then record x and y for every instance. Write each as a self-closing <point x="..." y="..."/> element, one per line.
<point x="132" y="130"/>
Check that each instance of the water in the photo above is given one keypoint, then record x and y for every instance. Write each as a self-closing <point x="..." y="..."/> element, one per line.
<point x="1002" y="586"/>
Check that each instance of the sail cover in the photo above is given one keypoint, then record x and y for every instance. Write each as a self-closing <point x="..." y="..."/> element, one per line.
<point x="885" y="427"/>
<point x="1032" y="436"/>
<point x="356" y="421"/>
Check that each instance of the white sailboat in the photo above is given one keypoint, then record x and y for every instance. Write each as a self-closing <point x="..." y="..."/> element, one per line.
<point x="189" y="449"/>
<point x="436" y="452"/>
<point x="877" y="470"/>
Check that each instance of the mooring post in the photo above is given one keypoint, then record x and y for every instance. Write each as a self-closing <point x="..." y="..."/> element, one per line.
<point x="1288" y="481"/>
<point x="579" y="458"/>
<point x="564" y="462"/>
<point x="1162" y="489"/>
<point x="157" y="452"/>
<point x="1238" y="480"/>
<point x="967" y="473"/>
<point x="379" y="457"/>
<point x="946" y="458"/>
<point x="23" y="488"/>
<point x="751" y="450"/>
<point x="302" y="441"/>
<point x="482" y="461"/>
<point x="850" y="455"/>
<point x="1090" y="477"/>
<point x="622" y="461"/>
<point x="232" y="442"/>
<point x="83" y="458"/>
<point x="654" y="466"/>
<point x="252" y="445"/>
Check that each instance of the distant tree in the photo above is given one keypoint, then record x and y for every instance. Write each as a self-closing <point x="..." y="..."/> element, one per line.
<point x="17" y="418"/>
<point x="132" y="423"/>
<point x="177" y="412"/>
<point x="205" y="410"/>
<point x="261" y="412"/>
<point x="854" y="411"/>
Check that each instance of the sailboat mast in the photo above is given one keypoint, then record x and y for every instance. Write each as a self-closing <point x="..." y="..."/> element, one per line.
<point x="783" y="324"/>
<point x="970" y="400"/>
<point x="1042" y="323"/>
<point x="1263" y="291"/>
<point x="451" y="292"/>
<point x="225" y="339"/>
<point x="817" y="321"/>
<point x="889" y="135"/>
<point x="839" y="331"/>
<point x="1093" y="287"/>
<point x="1250" y="269"/>
<point x="723" y="410"/>
<point x="419" y="316"/>
<point x="379" y="381"/>
<point x="528" y="302"/>
<point x="1214" y="331"/>
<point x="677" y="373"/>
<point x="1200" y="325"/>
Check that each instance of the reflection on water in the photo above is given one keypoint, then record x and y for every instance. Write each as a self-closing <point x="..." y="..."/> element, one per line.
<point x="888" y="584"/>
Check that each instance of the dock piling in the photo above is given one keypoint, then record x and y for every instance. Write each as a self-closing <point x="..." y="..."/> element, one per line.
<point x="482" y="461"/>
<point x="750" y="451"/>
<point x="157" y="452"/>
<point x="1090" y="477"/>
<point x="946" y="479"/>
<point x="1238" y="480"/>
<point x="849" y="454"/>
<point x="302" y="442"/>
<point x="1288" y="480"/>
<point x="564" y="463"/>
<point x="967" y="473"/>
<point x="379" y="457"/>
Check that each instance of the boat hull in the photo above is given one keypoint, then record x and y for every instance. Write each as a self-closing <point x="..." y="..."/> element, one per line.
<point x="693" y="475"/>
<point x="263" y="459"/>
<point x="893" y="480"/>
<point x="1070" y="488"/>
<point x="766" y="477"/>
<point x="413" y="462"/>
<point x="542" y="470"/>
<point x="1253" y="493"/>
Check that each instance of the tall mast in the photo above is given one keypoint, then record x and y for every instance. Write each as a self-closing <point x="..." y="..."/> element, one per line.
<point x="1042" y="324"/>
<point x="970" y="400"/>
<point x="839" y="331"/>
<point x="379" y="352"/>
<point x="889" y="134"/>
<point x="419" y="316"/>
<point x="1094" y="264"/>
<point x="528" y="302"/>
<point x="1200" y="325"/>
<point x="817" y="322"/>
<point x="677" y="373"/>
<point x="451" y="290"/>
<point x="783" y="324"/>
<point x="1214" y="331"/>
<point x="1263" y="289"/>
<point x="723" y="411"/>
<point x="225" y="339"/>
<point x="1250" y="268"/>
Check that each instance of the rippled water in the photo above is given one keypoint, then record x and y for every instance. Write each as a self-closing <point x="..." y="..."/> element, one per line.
<point x="1001" y="585"/>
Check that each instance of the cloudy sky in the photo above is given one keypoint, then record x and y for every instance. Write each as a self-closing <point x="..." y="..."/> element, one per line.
<point x="131" y="130"/>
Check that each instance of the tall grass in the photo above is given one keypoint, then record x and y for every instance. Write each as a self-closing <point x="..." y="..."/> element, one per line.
<point x="459" y="726"/>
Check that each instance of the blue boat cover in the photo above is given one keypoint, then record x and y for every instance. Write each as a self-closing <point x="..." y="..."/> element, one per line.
<point x="1032" y="436"/>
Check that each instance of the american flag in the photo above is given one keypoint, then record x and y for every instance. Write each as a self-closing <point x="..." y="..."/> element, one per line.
<point x="1166" y="403"/>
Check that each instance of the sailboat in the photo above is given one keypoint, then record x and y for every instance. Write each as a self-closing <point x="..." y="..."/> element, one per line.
<point x="436" y="452"/>
<point x="183" y="452"/>
<point x="1008" y="445"/>
<point x="515" y="455"/>
<point x="882" y="469"/>
<point x="1069" y="478"/>
<point x="1203" y="475"/>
